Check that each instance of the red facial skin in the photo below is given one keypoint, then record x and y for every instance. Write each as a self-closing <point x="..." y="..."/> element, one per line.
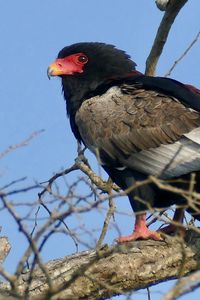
<point x="68" y="65"/>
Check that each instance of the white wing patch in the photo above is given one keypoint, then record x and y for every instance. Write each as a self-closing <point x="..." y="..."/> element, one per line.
<point x="171" y="160"/>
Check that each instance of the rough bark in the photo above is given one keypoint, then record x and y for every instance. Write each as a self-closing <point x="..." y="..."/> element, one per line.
<point x="115" y="270"/>
<point x="4" y="248"/>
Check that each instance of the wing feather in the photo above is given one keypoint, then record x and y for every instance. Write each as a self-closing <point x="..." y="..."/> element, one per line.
<point x="121" y="124"/>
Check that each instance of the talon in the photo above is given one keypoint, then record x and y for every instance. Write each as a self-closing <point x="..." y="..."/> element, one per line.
<point x="140" y="235"/>
<point x="173" y="228"/>
<point x="141" y="232"/>
<point x="170" y="229"/>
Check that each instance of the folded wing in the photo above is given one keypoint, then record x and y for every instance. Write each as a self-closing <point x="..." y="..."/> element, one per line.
<point x="145" y="130"/>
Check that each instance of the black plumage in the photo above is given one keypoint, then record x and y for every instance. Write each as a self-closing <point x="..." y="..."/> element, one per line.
<point x="138" y="125"/>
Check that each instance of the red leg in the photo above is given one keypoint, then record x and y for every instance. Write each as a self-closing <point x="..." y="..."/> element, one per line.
<point x="178" y="218"/>
<point x="141" y="231"/>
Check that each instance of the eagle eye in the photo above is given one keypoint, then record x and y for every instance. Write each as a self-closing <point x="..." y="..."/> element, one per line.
<point x="82" y="59"/>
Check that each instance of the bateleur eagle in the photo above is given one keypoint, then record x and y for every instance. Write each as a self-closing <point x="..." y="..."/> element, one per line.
<point x="137" y="125"/>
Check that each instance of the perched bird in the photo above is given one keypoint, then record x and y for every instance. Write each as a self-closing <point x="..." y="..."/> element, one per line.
<point x="136" y="125"/>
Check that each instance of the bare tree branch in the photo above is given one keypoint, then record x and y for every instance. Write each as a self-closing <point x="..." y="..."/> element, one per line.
<point x="4" y="248"/>
<point x="162" y="4"/>
<point x="183" y="286"/>
<point x="105" y="271"/>
<point x="115" y="270"/>
<point x="171" y="13"/>
<point x="109" y="214"/>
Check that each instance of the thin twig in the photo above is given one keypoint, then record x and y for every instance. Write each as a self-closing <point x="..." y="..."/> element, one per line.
<point x="109" y="214"/>
<point x="183" y="55"/>
<point x="148" y="293"/>
<point x="22" y="144"/>
<point x="184" y="286"/>
<point x="27" y="235"/>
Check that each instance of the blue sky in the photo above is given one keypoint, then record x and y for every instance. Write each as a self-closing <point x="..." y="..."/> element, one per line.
<point x="32" y="33"/>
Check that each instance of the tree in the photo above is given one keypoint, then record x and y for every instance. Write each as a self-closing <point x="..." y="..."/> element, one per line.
<point x="92" y="274"/>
